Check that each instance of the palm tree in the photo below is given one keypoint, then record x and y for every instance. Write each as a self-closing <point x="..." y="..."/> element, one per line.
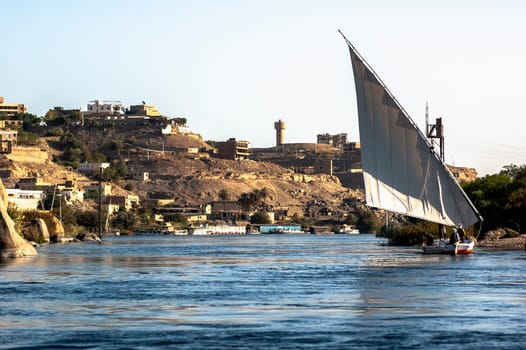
<point x="246" y="201"/>
<point x="224" y="195"/>
<point x="260" y="195"/>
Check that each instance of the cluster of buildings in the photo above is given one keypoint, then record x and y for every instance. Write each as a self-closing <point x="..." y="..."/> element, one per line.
<point x="8" y="128"/>
<point x="30" y="194"/>
<point x="116" y="109"/>
<point x="227" y="211"/>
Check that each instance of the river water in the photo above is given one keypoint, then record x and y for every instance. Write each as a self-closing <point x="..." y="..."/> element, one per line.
<point x="261" y="292"/>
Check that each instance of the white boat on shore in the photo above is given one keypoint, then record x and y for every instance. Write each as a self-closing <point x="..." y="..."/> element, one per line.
<point x="348" y="229"/>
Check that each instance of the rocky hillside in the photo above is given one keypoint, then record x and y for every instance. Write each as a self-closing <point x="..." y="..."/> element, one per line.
<point x="34" y="162"/>
<point x="198" y="181"/>
<point x="186" y="178"/>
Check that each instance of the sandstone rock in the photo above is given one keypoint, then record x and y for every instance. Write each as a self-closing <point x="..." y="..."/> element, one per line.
<point x="12" y="245"/>
<point x="37" y="231"/>
<point x="43" y="229"/>
<point x="516" y="243"/>
<point x="88" y="237"/>
<point x="493" y="234"/>
<point x="58" y="235"/>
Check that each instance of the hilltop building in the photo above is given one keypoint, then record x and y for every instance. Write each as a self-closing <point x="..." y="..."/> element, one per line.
<point x="144" y="110"/>
<point x="279" y="126"/>
<point x="8" y="140"/>
<point x="10" y="109"/>
<point x="338" y="140"/>
<point x="351" y="147"/>
<point x="105" y="108"/>
<point x="63" y="111"/>
<point x="233" y="149"/>
<point x="92" y="169"/>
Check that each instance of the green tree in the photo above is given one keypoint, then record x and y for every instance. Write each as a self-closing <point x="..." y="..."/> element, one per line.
<point x="54" y="118"/>
<point x="176" y="218"/>
<point x="223" y="194"/>
<point x="124" y="220"/>
<point x="249" y="200"/>
<point x="121" y="168"/>
<point x="368" y="221"/>
<point x="259" y="217"/>
<point x="88" y="219"/>
<point x="246" y="201"/>
<point x="501" y="198"/>
<point x="29" y="120"/>
<point x="260" y="195"/>
<point x="27" y="138"/>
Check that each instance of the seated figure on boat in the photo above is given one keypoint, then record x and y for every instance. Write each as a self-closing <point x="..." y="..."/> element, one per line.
<point x="461" y="233"/>
<point x="454" y="238"/>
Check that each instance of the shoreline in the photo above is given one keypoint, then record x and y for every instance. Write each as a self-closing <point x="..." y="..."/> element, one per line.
<point x="516" y="243"/>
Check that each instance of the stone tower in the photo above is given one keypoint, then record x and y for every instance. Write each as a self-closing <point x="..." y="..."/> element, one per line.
<point x="279" y="126"/>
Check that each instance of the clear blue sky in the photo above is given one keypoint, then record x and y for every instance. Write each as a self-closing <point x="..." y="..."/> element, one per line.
<point x="233" y="67"/>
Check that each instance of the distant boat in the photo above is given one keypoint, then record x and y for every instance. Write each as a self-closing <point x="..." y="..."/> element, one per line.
<point x="218" y="230"/>
<point x="279" y="229"/>
<point x="347" y="229"/>
<point x="402" y="173"/>
<point x="164" y="229"/>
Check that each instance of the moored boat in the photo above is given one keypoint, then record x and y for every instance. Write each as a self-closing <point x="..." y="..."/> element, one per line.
<point x="442" y="246"/>
<point x="402" y="171"/>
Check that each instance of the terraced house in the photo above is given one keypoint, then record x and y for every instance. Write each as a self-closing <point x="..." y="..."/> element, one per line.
<point x="10" y="109"/>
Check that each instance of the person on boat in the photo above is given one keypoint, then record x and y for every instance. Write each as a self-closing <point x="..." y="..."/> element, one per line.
<point x="442" y="231"/>
<point x="454" y="238"/>
<point x="428" y="239"/>
<point x="461" y="232"/>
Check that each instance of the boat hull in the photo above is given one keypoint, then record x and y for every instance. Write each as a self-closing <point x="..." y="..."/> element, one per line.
<point x="444" y="247"/>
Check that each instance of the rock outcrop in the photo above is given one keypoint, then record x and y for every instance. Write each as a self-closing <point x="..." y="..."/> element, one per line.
<point x="12" y="245"/>
<point x="58" y="234"/>
<point x="88" y="237"/>
<point x="493" y="234"/>
<point x="514" y="243"/>
<point x="43" y="229"/>
<point x="502" y="238"/>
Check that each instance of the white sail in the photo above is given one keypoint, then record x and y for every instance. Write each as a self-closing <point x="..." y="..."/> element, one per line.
<point x="402" y="172"/>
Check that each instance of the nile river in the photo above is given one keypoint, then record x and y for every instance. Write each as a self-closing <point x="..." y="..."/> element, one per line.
<point x="261" y="292"/>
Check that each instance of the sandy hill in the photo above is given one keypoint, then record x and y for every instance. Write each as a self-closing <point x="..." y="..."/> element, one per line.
<point x="175" y="174"/>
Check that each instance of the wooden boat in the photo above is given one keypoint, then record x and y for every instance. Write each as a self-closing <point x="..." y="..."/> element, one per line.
<point x="442" y="246"/>
<point x="402" y="171"/>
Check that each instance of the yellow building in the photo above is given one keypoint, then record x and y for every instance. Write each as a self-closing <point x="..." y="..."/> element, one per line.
<point x="11" y="109"/>
<point x="145" y="110"/>
<point x="7" y="140"/>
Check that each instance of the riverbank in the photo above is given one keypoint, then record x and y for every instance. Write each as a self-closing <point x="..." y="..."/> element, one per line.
<point x="515" y="243"/>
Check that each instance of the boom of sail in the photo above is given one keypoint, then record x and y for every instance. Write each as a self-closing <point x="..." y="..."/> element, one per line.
<point x="402" y="173"/>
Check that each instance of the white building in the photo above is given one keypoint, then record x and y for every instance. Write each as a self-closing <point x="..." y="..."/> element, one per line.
<point x="24" y="199"/>
<point x="105" y="108"/>
<point x="92" y="168"/>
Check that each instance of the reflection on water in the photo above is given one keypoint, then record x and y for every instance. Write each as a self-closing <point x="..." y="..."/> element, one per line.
<point x="269" y="291"/>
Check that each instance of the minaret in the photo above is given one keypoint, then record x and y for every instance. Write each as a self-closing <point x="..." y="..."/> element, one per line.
<point x="279" y="126"/>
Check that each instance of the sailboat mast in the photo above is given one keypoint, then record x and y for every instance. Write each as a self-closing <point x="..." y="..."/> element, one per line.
<point x="436" y="131"/>
<point x="403" y="170"/>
